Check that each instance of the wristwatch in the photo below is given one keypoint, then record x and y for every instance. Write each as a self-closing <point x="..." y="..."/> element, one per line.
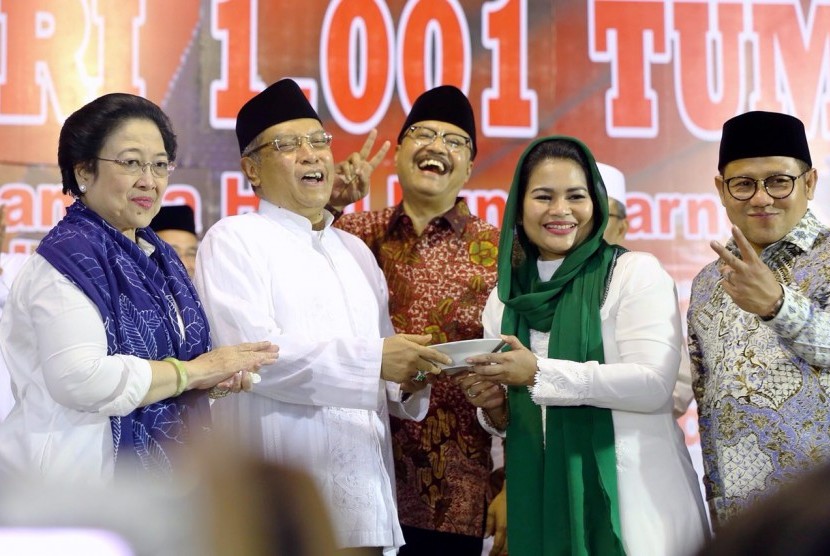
<point x="775" y="308"/>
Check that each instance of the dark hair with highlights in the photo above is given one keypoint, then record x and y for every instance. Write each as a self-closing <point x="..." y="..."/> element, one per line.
<point x="84" y="132"/>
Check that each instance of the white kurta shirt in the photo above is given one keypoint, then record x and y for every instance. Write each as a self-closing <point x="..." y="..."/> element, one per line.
<point x="65" y="385"/>
<point x="661" y="508"/>
<point x="320" y="296"/>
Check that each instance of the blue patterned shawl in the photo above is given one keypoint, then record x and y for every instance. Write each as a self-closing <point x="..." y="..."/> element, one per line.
<point x="137" y="297"/>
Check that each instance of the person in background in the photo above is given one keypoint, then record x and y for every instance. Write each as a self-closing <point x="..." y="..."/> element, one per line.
<point x="614" y="181"/>
<point x="105" y="340"/>
<point x="10" y="265"/>
<point x="285" y="274"/>
<point x="176" y="225"/>
<point x="758" y="319"/>
<point x="440" y="263"/>
<point x="595" y="461"/>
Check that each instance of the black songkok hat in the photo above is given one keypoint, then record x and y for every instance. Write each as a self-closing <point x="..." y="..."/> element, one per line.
<point x="280" y="102"/>
<point x="760" y="134"/>
<point x="443" y="104"/>
<point x="174" y="217"/>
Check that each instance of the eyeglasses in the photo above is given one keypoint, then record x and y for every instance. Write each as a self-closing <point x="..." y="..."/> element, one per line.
<point x="133" y="167"/>
<point x="613" y="215"/>
<point x="423" y="136"/>
<point x="777" y="186"/>
<point x="289" y="143"/>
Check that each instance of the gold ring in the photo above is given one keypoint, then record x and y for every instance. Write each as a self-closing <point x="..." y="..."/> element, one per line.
<point x="470" y="393"/>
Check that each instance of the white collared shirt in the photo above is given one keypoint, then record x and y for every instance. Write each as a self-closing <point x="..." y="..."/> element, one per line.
<point x="320" y="296"/>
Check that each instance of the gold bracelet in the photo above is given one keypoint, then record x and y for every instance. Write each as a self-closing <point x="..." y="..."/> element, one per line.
<point x="181" y="375"/>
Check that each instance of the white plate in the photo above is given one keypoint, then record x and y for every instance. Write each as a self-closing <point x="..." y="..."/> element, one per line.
<point x="459" y="351"/>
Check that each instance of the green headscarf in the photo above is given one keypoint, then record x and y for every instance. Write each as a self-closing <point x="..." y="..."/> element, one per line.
<point x="562" y="492"/>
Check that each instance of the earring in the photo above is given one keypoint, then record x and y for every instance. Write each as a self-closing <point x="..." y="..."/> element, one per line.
<point x="82" y="187"/>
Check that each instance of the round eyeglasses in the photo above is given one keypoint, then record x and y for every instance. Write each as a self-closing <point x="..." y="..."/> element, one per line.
<point x="423" y="136"/>
<point x="133" y="167"/>
<point x="777" y="186"/>
<point x="289" y="143"/>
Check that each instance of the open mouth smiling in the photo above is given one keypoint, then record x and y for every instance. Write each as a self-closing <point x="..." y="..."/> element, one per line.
<point x="433" y="165"/>
<point x="313" y="178"/>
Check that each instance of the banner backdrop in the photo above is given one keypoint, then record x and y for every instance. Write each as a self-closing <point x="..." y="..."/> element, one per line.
<point x="646" y="84"/>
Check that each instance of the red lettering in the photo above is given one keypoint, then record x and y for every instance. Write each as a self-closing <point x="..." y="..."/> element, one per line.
<point x="631" y="36"/>
<point x="237" y="197"/>
<point x="638" y="208"/>
<point x="52" y="203"/>
<point x="118" y="26"/>
<point x="509" y="107"/>
<point x="232" y="22"/>
<point x="356" y="74"/>
<point x="669" y="209"/>
<point x="703" y="216"/>
<point x="433" y="48"/>
<point x="792" y="59"/>
<point x="709" y="66"/>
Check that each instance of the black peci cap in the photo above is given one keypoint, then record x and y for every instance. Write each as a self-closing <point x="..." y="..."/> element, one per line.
<point x="280" y="102"/>
<point x="759" y="134"/>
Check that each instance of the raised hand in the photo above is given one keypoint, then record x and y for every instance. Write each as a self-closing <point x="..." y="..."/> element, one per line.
<point x="747" y="280"/>
<point x="353" y="176"/>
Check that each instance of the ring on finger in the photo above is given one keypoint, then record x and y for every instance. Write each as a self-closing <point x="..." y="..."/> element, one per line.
<point x="470" y="393"/>
<point x="420" y="377"/>
<point x="215" y="393"/>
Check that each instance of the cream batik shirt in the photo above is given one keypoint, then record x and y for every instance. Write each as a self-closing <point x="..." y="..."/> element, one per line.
<point x="762" y="387"/>
<point x="320" y="296"/>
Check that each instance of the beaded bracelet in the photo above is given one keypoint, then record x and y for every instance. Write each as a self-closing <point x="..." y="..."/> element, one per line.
<point x="181" y="375"/>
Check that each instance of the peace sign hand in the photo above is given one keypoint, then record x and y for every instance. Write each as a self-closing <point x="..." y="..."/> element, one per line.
<point x="353" y="176"/>
<point x="747" y="280"/>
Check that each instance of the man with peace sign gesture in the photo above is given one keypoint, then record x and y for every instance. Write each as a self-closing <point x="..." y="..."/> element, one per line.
<point x="440" y="264"/>
<point x="759" y="325"/>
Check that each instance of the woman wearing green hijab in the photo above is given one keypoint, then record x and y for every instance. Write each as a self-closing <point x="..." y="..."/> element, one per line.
<point x="595" y="462"/>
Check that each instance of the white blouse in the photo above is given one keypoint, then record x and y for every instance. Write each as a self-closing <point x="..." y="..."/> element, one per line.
<point x="661" y="507"/>
<point x="320" y="296"/>
<point x="65" y="385"/>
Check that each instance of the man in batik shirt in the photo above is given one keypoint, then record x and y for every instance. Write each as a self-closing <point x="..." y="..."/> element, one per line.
<point x="758" y="321"/>
<point x="440" y="264"/>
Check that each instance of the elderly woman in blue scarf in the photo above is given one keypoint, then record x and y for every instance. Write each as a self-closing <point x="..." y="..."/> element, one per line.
<point x="595" y="463"/>
<point x="106" y="341"/>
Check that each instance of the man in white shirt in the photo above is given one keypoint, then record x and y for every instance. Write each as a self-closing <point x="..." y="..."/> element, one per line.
<point x="283" y="273"/>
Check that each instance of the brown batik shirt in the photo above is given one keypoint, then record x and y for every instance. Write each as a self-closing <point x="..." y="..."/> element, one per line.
<point x="438" y="284"/>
